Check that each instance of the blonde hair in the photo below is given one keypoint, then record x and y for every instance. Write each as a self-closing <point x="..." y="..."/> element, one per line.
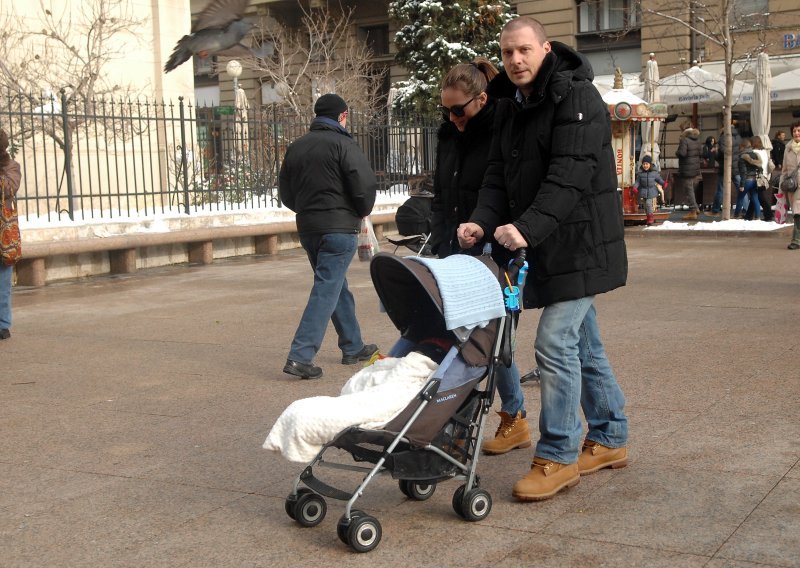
<point x="471" y="78"/>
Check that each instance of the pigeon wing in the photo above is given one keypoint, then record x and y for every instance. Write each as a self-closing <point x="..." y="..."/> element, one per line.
<point x="237" y="50"/>
<point x="219" y="13"/>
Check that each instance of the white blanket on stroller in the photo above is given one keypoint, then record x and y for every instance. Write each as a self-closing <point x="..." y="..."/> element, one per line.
<point x="371" y="398"/>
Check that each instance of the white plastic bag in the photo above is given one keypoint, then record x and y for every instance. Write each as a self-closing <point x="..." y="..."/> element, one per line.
<point x="367" y="241"/>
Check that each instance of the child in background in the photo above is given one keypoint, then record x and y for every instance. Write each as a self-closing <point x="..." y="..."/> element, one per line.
<point x="646" y="187"/>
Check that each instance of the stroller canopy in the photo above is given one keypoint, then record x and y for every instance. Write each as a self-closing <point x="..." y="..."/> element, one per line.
<point x="411" y="297"/>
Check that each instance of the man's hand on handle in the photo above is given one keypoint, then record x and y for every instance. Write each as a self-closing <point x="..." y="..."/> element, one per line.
<point x="509" y="237"/>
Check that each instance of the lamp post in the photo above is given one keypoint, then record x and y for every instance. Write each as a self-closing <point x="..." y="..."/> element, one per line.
<point x="234" y="69"/>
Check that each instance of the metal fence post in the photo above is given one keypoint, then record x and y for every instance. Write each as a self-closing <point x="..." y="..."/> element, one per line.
<point x="184" y="167"/>
<point x="67" y="155"/>
<point x="276" y="152"/>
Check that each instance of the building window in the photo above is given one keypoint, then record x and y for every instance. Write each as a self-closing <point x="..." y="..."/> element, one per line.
<point x="377" y="39"/>
<point x="596" y="16"/>
<point x="204" y="65"/>
<point x="749" y="14"/>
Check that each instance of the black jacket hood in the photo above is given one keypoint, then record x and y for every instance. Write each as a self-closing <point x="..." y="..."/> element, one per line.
<point x="559" y="68"/>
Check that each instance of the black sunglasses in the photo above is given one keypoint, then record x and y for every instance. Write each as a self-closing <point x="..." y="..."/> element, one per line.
<point x="457" y="110"/>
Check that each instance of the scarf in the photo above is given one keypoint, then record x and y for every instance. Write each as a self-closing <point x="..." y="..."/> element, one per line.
<point x="795" y="147"/>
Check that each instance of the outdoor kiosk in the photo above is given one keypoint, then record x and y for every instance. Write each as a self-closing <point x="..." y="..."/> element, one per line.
<point x="627" y="112"/>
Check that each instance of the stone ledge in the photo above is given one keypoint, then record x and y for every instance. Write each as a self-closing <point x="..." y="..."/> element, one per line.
<point x="123" y="251"/>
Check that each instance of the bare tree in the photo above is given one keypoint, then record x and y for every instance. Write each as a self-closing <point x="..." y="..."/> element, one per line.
<point x="70" y="54"/>
<point x="321" y="55"/>
<point x="714" y="25"/>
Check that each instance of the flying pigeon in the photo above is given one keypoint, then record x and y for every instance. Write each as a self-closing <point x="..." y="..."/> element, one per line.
<point x="218" y="30"/>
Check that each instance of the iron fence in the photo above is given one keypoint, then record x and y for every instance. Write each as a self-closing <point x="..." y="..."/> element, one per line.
<point x="104" y="159"/>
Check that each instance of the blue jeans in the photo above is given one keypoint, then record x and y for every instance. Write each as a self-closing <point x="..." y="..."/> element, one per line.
<point x="5" y="295"/>
<point x="575" y="374"/>
<point x="751" y="192"/>
<point x="716" y="207"/>
<point x="330" y="299"/>
<point x="506" y="379"/>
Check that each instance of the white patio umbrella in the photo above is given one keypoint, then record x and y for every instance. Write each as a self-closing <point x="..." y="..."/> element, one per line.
<point x="761" y="108"/>
<point x="697" y="86"/>
<point x="240" y="126"/>
<point x="784" y="87"/>
<point x="651" y="130"/>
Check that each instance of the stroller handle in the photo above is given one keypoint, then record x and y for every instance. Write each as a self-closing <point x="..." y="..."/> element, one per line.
<point x="516" y="263"/>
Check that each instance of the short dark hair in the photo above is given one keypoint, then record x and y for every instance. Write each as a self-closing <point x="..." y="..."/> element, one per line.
<point x="526" y="22"/>
<point x="793" y="126"/>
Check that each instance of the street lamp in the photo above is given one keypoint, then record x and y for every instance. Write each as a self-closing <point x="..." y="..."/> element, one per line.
<point x="234" y="69"/>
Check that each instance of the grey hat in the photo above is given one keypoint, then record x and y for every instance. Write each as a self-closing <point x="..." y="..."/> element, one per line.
<point x="647" y="160"/>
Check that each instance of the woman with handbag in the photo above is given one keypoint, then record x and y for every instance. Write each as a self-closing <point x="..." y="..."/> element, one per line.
<point x="790" y="182"/>
<point x="10" y="177"/>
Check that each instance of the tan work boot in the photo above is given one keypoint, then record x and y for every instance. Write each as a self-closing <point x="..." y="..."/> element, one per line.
<point x="545" y="479"/>
<point x="690" y="216"/>
<point x="511" y="433"/>
<point x="595" y="457"/>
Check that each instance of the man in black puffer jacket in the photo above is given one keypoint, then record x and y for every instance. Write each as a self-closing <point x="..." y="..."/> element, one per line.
<point x="326" y="179"/>
<point x="689" y="154"/>
<point x="551" y="186"/>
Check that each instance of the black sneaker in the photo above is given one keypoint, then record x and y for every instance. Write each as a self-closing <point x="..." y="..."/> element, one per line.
<point x="364" y="355"/>
<point x="4" y="334"/>
<point x="533" y="376"/>
<point x="302" y="370"/>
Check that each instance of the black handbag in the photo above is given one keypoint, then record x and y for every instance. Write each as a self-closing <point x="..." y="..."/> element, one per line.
<point x="789" y="183"/>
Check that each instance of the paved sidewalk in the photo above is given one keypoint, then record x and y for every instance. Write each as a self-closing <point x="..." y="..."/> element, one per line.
<point x="133" y="410"/>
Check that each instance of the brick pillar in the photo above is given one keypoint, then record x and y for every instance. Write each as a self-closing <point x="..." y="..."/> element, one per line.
<point x="201" y="253"/>
<point x="31" y="272"/>
<point x="122" y="261"/>
<point x="266" y="244"/>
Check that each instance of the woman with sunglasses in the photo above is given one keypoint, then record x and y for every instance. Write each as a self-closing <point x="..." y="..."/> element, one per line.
<point x="461" y="160"/>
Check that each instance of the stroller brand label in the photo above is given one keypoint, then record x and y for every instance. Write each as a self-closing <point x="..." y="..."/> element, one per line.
<point x="446" y="398"/>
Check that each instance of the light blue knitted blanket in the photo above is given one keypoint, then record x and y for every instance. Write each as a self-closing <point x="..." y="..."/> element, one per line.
<point x="471" y="295"/>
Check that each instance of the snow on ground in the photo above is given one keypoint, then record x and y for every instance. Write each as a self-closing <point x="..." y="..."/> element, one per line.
<point x="729" y="225"/>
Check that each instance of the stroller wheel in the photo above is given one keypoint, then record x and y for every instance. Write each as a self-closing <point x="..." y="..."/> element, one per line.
<point x="477" y="504"/>
<point x="291" y="501"/>
<point x="364" y="533"/>
<point x="417" y="490"/>
<point x="458" y="501"/>
<point x="344" y="524"/>
<point x="310" y="509"/>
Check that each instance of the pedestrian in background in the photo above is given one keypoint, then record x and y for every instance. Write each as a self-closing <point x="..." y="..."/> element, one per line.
<point x="646" y="187"/>
<point x="763" y="188"/>
<point x="689" y="161"/>
<point x="722" y="149"/>
<point x="328" y="182"/>
<point x="791" y="168"/>
<point x="10" y="177"/>
<point x="551" y="186"/>
<point x="710" y="152"/>
<point x="750" y="167"/>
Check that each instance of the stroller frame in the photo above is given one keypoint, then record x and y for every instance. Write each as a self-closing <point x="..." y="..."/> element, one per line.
<point x="362" y="532"/>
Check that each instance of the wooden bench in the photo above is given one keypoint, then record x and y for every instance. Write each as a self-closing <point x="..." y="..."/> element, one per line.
<point x="122" y="249"/>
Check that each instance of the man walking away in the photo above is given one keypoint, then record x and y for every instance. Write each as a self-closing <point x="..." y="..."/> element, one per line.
<point x="326" y="179"/>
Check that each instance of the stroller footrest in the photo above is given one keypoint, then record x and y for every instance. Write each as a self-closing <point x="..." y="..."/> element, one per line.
<point x="323" y="488"/>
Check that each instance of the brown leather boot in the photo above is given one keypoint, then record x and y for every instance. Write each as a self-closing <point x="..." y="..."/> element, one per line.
<point x="595" y="457"/>
<point x="690" y="216"/>
<point x="545" y="479"/>
<point x="512" y="433"/>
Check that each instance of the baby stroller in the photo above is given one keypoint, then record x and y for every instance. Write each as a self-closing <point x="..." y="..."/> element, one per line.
<point x="438" y="436"/>
<point x="413" y="220"/>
